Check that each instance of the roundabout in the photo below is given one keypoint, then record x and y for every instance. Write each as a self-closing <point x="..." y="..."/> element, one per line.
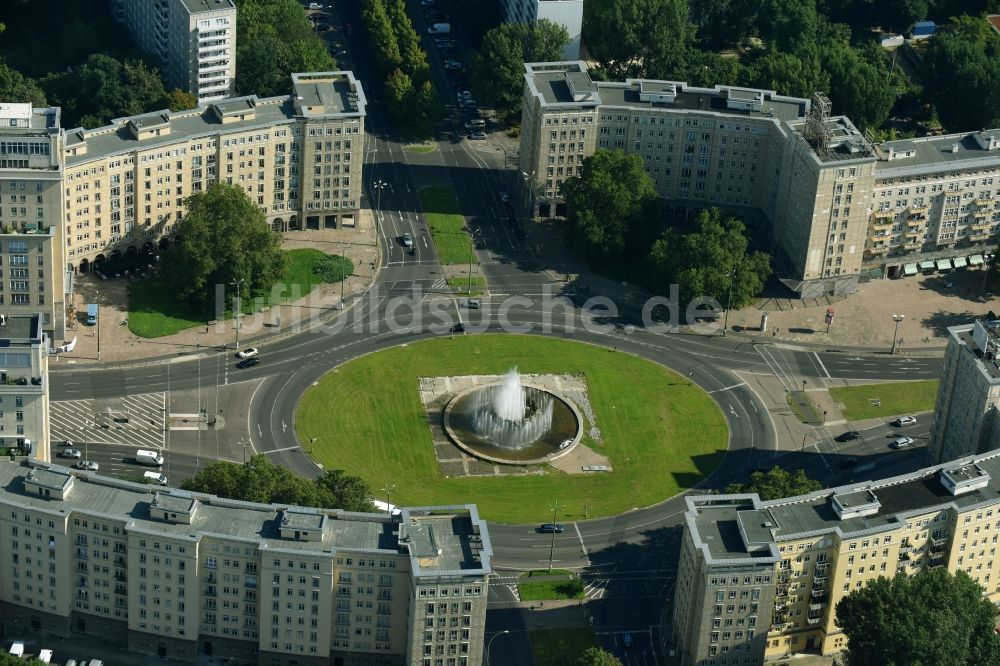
<point x="660" y="433"/>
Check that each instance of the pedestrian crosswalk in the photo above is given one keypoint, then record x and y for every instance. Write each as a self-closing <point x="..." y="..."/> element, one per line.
<point x="440" y="283"/>
<point x="595" y="589"/>
<point x="136" y="420"/>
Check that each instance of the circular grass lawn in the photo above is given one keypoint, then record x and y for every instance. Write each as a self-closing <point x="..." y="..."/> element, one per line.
<point x="661" y="433"/>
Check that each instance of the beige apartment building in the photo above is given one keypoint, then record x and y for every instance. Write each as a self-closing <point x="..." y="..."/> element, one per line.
<point x="194" y="39"/>
<point x="24" y="384"/>
<point x="786" y="162"/>
<point x="968" y="401"/>
<point x="762" y="579"/>
<point x="73" y="198"/>
<point x="187" y="576"/>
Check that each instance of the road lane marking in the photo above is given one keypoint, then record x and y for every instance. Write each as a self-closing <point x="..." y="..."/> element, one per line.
<point x="583" y="546"/>
<point x="820" y="361"/>
<point x="727" y="388"/>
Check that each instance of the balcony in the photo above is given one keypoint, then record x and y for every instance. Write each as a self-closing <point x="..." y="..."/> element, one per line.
<point x="818" y="592"/>
<point x="817" y="605"/>
<point x="915" y="210"/>
<point x="939" y="541"/>
<point x="915" y="218"/>
<point x="983" y="203"/>
<point x="912" y="245"/>
<point x="779" y="626"/>
<point x="818" y="580"/>
<point x="813" y="621"/>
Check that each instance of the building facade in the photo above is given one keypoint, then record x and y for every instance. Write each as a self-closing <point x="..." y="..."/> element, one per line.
<point x="100" y="193"/>
<point x="194" y="39"/>
<point x="825" y="191"/>
<point x="968" y="399"/>
<point x="762" y="579"/>
<point x="187" y="576"/>
<point x="24" y="384"/>
<point x="567" y="13"/>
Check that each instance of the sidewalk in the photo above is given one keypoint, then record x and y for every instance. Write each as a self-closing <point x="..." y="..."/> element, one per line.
<point x="118" y="344"/>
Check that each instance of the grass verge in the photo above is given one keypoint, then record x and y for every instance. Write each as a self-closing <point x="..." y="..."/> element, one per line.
<point x="420" y="147"/>
<point x="874" y="400"/>
<point x="454" y="246"/>
<point x="661" y="433"/>
<point x="571" y="588"/>
<point x="546" y="572"/>
<point x="154" y="311"/>
<point x="560" y="647"/>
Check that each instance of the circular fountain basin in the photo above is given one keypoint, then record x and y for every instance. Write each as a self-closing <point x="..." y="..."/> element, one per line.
<point x="559" y="439"/>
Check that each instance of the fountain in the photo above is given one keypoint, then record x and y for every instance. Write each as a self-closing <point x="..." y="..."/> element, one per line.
<point x="509" y="421"/>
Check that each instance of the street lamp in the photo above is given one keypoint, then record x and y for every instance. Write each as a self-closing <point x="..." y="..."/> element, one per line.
<point x="729" y="304"/>
<point x="490" y="643"/>
<point x="379" y="185"/>
<point x="388" y="489"/>
<point x="552" y="543"/>
<point x="896" y="318"/>
<point x="805" y="435"/>
<point x="97" y="300"/>
<point x="239" y="308"/>
<point x="472" y="255"/>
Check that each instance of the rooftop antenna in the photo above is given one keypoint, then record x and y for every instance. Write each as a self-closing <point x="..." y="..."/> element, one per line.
<point x="817" y="132"/>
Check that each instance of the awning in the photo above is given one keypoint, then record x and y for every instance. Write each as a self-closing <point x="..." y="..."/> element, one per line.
<point x="944" y="264"/>
<point x="959" y="262"/>
<point x="926" y="265"/>
<point x="910" y="269"/>
<point x="976" y="260"/>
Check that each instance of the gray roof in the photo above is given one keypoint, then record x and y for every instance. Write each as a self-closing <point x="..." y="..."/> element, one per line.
<point x="21" y="329"/>
<point x="198" y="6"/>
<point x="936" y="153"/>
<point x="455" y="533"/>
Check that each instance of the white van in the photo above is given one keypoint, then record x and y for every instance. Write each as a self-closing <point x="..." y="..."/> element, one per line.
<point x="155" y="477"/>
<point x="151" y="458"/>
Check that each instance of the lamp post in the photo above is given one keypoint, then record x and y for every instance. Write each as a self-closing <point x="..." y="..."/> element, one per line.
<point x="472" y="255"/>
<point x="806" y="435"/>
<point x="489" y="644"/>
<point x="729" y="304"/>
<point x="896" y="318"/>
<point x="552" y="543"/>
<point x="97" y="300"/>
<point x="388" y="489"/>
<point x="379" y="185"/>
<point x="239" y="308"/>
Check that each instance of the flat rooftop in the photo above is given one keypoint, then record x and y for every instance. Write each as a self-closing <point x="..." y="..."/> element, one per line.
<point x="933" y="153"/>
<point x="845" y="140"/>
<point x="327" y="93"/>
<point x="964" y="334"/>
<point x="437" y="539"/>
<point x="198" y="6"/>
<point x="21" y="329"/>
<point x="719" y="528"/>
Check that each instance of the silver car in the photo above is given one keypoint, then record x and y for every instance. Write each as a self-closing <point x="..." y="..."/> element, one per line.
<point x="70" y="453"/>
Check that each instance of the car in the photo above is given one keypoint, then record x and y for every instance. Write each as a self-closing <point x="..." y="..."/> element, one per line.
<point x="477" y="136"/>
<point x="70" y="453"/>
<point x="445" y="43"/>
<point x="247" y="353"/>
<point x="68" y="442"/>
<point x="475" y="124"/>
<point x="473" y="304"/>
<point x="847" y="436"/>
<point x="848" y="462"/>
<point x="453" y="66"/>
<point x="550" y="528"/>
<point x="315" y="5"/>
<point x="901" y="442"/>
<point x="463" y="95"/>
<point x="905" y="421"/>
<point x="458" y="328"/>
<point x="504" y="197"/>
<point x="88" y="465"/>
<point x="407" y="240"/>
<point x="248" y="363"/>
<point x="426" y="3"/>
<point x="627" y="640"/>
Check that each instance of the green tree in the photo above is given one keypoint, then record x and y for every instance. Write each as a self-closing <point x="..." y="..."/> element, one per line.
<point x="14" y="86"/>
<point x="932" y="618"/>
<point x="223" y="237"/>
<point x="610" y="203"/>
<point x="860" y="83"/>
<point x="180" y="100"/>
<point x="962" y="74"/>
<point x="498" y="65"/>
<point x="788" y="26"/>
<point x="339" y="489"/>
<point x="639" y="38"/>
<point x="776" y="483"/>
<point x="595" y="656"/>
<point x="710" y="261"/>
<point x="789" y="74"/>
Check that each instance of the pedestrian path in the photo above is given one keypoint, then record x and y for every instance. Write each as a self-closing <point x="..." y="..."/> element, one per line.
<point x="135" y="420"/>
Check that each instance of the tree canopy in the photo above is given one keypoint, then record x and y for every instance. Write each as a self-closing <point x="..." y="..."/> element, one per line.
<point x="274" y="39"/>
<point x="595" y="656"/>
<point x="963" y="75"/>
<point x="262" y="481"/>
<point x="776" y="483"/>
<point x="222" y="238"/>
<point x="498" y="64"/>
<point x="710" y="261"/>
<point x="612" y="204"/>
<point x="639" y="38"/>
<point x="932" y="618"/>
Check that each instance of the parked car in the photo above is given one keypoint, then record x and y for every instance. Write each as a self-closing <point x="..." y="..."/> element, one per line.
<point x="70" y="453"/>
<point x="848" y="436"/>
<point x="88" y="465"/>
<point x="550" y="528"/>
<point x="905" y="421"/>
<point x="247" y="353"/>
<point x="248" y="363"/>
<point x="901" y="442"/>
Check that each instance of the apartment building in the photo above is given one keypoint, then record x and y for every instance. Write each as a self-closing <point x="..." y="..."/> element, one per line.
<point x="811" y="177"/>
<point x="33" y="277"/>
<point x="194" y="39"/>
<point x="968" y="399"/>
<point x="24" y="384"/>
<point x="187" y="576"/>
<point x="762" y="579"/>
<point x="567" y="13"/>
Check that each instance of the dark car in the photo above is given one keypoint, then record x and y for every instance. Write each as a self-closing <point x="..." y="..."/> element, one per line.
<point x="550" y="528"/>
<point x="848" y="462"/>
<point x="458" y="328"/>
<point x="248" y="363"/>
<point x="848" y="436"/>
